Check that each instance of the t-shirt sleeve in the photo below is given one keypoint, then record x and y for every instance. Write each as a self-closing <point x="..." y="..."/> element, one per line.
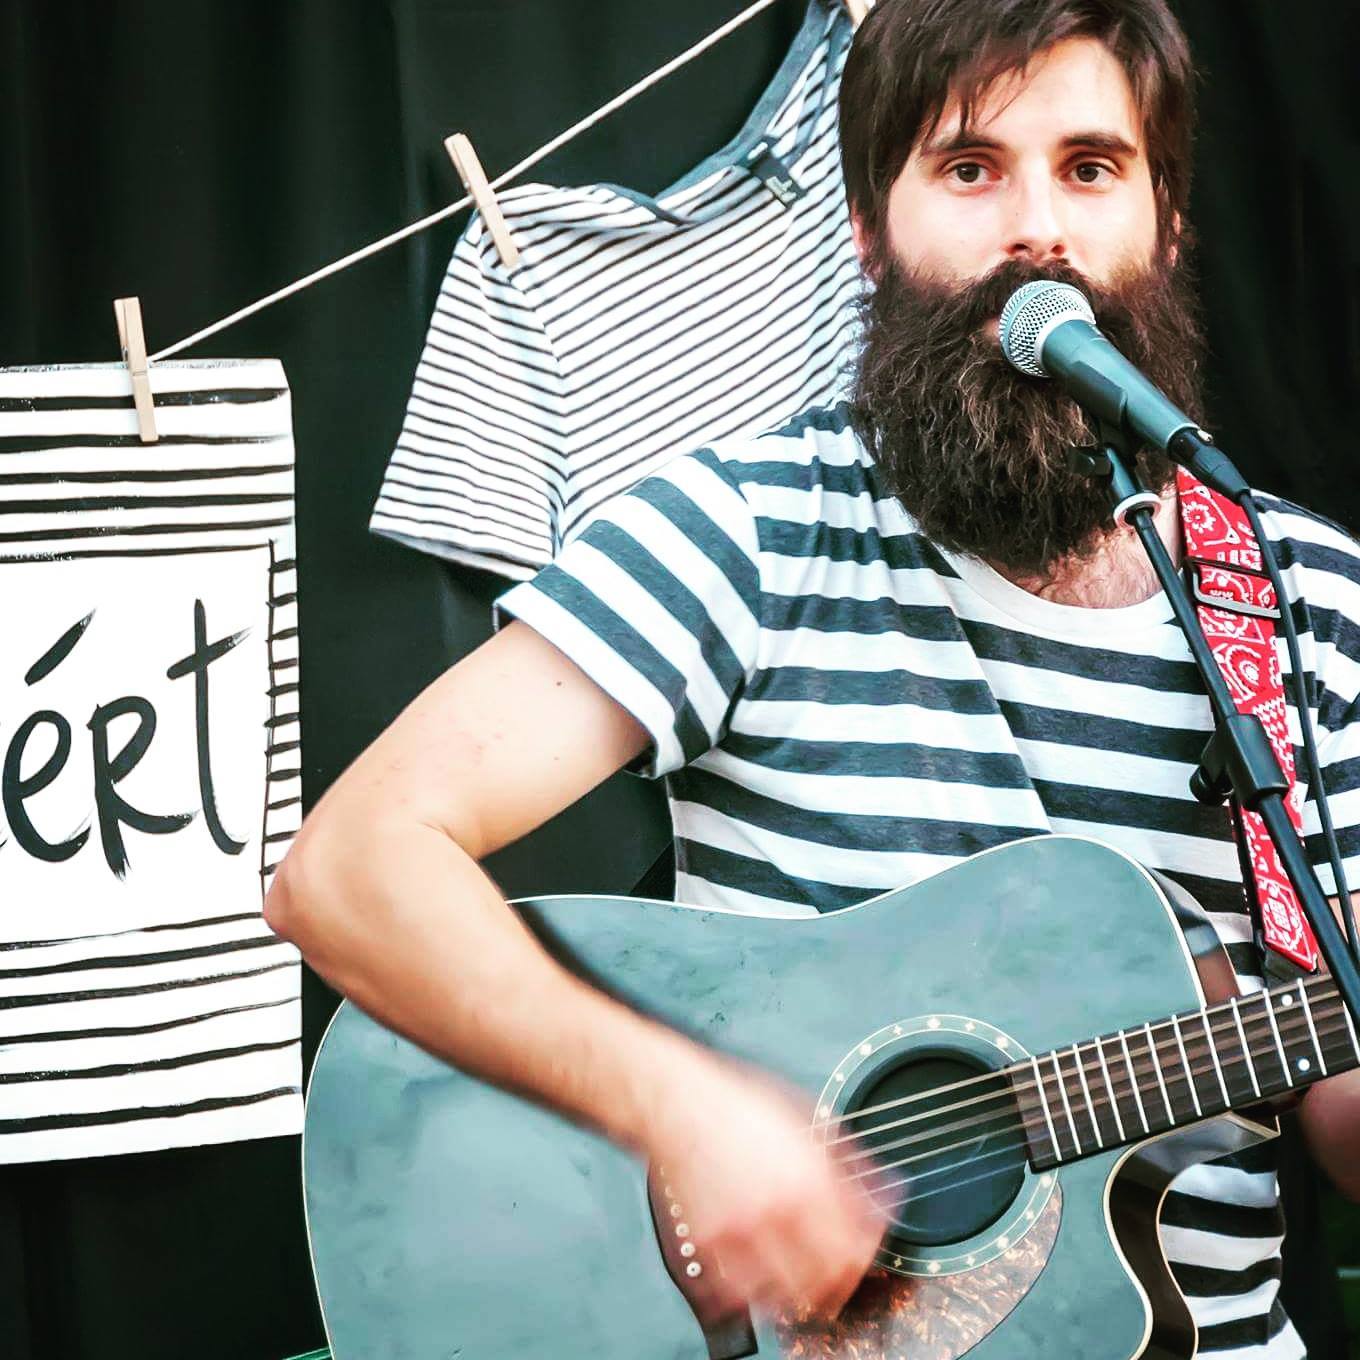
<point x="1338" y="742"/>
<point x="1330" y="583"/>
<point x="479" y="468"/>
<point x="658" y="602"/>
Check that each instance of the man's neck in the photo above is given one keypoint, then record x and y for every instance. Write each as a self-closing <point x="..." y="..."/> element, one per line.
<point x="1113" y="574"/>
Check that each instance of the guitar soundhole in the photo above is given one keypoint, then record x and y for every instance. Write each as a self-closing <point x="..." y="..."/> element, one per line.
<point x="948" y="1150"/>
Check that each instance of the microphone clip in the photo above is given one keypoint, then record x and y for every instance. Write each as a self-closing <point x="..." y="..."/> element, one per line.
<point x="1128" y="494"/>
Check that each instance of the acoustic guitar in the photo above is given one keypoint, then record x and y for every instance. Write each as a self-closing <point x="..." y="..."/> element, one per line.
<point x="1015" y="1056"/>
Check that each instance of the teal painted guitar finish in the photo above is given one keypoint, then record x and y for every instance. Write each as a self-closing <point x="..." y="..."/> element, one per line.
<point x="449" y="1219"/>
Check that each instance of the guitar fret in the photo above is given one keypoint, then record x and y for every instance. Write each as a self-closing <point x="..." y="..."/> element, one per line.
<point x="1312" y="1029"/>
<point x="1067" y="1108"/>
<point x="1043" y="1105"/>
<point x="1246" y="1050"/>
<point x="1109" y="1086"/>
<point x="1185" y="1062"/>
<point x="1350" y="1027"/>
<point x="1312" y="1044"/>
<point x="1086" y="1093"/>
<point x="1279" y="1045"/>
<point x="1213" y="1053"/>
<point x="1157" y="1068"/>
<point x="1133" y="1081"/>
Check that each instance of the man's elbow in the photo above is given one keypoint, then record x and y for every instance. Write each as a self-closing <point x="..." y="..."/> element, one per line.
<point x="286" y="902"/>
<point x="307" y="889"/>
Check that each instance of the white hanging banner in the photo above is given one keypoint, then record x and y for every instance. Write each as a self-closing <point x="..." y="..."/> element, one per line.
<point x="149" y="760"/>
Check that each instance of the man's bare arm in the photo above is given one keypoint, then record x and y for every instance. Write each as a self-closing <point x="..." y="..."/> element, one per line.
<point x="1330" y="1116"/>
<point x="383" y="893"/>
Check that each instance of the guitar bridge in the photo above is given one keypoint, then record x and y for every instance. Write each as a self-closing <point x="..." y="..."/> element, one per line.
<point x="728" y="1335"/>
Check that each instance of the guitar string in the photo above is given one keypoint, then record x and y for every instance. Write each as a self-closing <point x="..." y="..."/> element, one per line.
<point x="981" y="1129"/>
<point x="1257" y="1025"/>
<point x="1225" y="1065"/>
<point x="975" y="1122"/>
<point x="1289" y="1028"/>
<point x="1323" y="990"/>
<point x="953" y="1185"/>
<point x="1005" y="1126"/>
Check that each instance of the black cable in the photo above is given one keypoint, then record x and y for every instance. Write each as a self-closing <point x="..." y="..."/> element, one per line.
<point x="1310" y="755"/>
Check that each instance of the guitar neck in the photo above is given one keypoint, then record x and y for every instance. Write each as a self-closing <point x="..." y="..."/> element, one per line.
<point x="1122" y="1087"/>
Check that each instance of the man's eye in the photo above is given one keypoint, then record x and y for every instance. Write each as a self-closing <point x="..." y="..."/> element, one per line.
<point x="967" y="172"/>
<point x="1091" y="172"/>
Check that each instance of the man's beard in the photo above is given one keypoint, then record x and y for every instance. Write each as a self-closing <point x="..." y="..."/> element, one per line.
<point x="978" y="452"/>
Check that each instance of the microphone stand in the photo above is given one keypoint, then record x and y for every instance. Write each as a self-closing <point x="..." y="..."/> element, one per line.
<point x="1238" y="758"/>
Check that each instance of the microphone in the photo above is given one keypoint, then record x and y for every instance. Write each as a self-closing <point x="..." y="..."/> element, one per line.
<point x="1048" y="330"/>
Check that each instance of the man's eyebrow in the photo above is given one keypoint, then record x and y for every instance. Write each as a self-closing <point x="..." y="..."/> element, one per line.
<point x="1101" y="141"/>
<point x="966" y="139"/>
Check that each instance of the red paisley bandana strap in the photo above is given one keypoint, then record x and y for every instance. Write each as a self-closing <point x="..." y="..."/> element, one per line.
<point x="1236" y="606"/>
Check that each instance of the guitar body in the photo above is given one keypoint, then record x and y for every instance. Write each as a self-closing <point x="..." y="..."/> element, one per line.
<point x="449" y="1219"/>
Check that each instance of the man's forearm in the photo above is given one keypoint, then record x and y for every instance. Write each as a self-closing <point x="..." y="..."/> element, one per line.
<point x="1330" y="1117"/>
<point x="405" y="923"/>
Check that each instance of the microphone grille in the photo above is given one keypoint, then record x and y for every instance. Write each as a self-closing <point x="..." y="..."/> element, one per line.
<point x="1030" y="314"/>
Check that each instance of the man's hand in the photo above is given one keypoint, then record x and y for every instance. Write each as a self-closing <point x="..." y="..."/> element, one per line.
<point x="790" y="1233"/>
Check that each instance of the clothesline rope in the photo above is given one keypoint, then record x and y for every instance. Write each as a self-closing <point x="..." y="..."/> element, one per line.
<point x="500" y="181"/>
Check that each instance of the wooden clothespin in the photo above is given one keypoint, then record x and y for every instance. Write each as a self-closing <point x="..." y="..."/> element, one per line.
<point x="859" y="10"/>
<point x="128" y="313"/>
<point x="474" y="178"/>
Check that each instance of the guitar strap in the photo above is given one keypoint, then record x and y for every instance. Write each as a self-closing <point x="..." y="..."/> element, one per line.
<point x="1237" y="608"/>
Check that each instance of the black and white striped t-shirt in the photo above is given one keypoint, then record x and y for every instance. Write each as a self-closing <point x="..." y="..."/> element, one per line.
<point x="633" y="329"/>
<point x="841" y="708"/>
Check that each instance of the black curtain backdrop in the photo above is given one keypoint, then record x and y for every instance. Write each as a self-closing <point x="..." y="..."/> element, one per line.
<point x="200" y="154"/>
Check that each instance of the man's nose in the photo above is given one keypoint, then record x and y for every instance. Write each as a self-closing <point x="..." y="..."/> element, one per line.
<point x="1035" y="231"/>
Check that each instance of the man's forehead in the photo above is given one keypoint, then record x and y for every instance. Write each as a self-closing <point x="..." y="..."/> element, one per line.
<point x="1076" y="92"/>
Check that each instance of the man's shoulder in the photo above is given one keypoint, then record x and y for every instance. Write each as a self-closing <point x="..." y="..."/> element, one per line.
<point x="817" y="450"/>
<point x="1310" y="538"/>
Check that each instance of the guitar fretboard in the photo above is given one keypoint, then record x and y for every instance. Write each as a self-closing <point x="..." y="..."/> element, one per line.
<point x="1112" y="1090"/>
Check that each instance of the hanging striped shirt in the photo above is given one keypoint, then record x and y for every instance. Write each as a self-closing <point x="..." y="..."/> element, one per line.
<point x="840" y="708"/>
<point x="633" y="329"/>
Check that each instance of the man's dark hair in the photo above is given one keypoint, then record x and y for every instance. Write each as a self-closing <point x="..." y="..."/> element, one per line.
<point x="910" y="56"/>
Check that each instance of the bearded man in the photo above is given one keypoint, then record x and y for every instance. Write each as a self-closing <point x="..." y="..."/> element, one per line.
<point x="890" y="634"/>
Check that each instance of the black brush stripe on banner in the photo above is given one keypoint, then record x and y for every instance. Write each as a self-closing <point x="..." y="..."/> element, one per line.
<point x="151" y="1065"/>
<point x="44" y="1123"/>
<point x="81" y="554"/>
<point x="286" y="564"/>
<point x="217" y="396"/>
<point x="136" y="930"/>
<point x="144" y="530"/>
<point x="56" y="443"/>
<point x="15" y="1003"/>
<point x="58" y="1036"/>
<point x="93" y="965"/>
<point x="80" y="504"/>
<point x="199" y="474"/>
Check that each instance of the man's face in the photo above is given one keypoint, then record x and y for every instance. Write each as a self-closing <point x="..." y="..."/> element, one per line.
<point x="1054" y="169"/>
<point x="1052" y="182"/>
